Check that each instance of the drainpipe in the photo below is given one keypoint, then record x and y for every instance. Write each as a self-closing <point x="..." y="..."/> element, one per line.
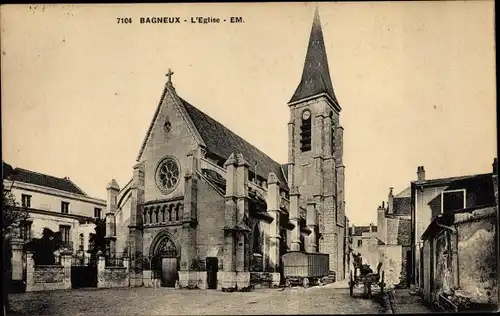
<point x="454" y="232"/>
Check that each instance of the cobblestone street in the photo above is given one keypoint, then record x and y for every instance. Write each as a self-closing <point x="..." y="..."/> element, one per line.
<point x="328" y="299"/>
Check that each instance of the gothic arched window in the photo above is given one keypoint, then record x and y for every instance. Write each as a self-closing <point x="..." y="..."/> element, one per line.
<point x="166" y="249"/>
<point x="256" y="247"/>
<point x="179" y="212"/>
<point x="163" y="210"/>
<point x="170" y="210"/>
<point x="305" y="131"/>
<point x="81" y="241"/>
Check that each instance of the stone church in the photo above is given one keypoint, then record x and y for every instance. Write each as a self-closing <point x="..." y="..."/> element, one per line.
<point x="207" y="209"/>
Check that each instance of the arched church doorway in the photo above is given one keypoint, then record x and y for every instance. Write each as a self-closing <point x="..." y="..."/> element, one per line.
<point x="166" y="256"/>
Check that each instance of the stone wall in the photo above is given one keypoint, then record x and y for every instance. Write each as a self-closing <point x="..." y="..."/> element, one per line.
<point x="391" y="258"/>
<point x="48" y="274"/>
<point x="210" y="232"/>
<point x="460" y="261"/>
<point x="111" y="277"/>
<point x="48" y="277"/>
<point x="369" y="250"/>
<point x="392" y="229"/>
<point x="177" y="143"/>
<point x="477" y="258"/>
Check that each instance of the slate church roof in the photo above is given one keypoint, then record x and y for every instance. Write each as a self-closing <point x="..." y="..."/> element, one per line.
<point x="223" y="142"/>
<point x="316" y="74"/>
<point x="44" y="180"/>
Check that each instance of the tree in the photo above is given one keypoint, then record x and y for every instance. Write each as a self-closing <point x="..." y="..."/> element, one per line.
<point x="97" y="240"/>
<point x="43" y="248"/>
<point x="12" y="215"/>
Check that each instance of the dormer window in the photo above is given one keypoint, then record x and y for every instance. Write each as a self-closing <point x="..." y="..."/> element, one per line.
<point x="305" y="131"/>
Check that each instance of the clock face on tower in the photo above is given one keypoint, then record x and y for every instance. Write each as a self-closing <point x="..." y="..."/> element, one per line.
<point x="306" y="115"/>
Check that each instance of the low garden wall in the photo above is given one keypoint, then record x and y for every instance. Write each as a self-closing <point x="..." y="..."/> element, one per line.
<point x="112" y="276"/>
<point x="48" y="277"/>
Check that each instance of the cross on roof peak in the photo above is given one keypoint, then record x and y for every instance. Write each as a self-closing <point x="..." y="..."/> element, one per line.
<point x="169" y="75"/>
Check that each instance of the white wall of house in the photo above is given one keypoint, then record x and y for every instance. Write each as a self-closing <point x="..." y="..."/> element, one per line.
<point x="45" y="210"/>
<point x="49" y="199"/>
<point x="41" y="221"/>
<point x="367" y="246"/>
<point x="423" y="217"/>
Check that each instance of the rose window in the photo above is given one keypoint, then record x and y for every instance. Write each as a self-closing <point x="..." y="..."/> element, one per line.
<point x="167" y="175"/>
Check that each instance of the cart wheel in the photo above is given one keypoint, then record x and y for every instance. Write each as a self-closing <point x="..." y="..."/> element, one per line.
<point x="288" y="283"/>
<point x="351" y="285"/>
<point x="305" y="282"/>
<point x="382" y="283"/>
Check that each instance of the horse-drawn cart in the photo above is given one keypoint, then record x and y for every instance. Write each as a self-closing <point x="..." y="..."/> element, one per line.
<point x="300" y="267"/>
<point x="366" y="278"/>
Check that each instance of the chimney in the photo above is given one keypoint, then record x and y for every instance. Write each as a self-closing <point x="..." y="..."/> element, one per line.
<point x="383" y="204"/>
<point x="381" y="220"/>
<point x="352" y="229"/>
<point x="371" y="227"/>
<point x="390" y="202"/>
<point x="420" y="174"/>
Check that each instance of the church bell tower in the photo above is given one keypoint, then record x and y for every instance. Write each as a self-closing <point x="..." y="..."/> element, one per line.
<point x="315" y="169"/>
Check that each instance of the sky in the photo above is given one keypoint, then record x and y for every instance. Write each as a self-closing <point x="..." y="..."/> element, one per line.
<point x="416" y="82"/>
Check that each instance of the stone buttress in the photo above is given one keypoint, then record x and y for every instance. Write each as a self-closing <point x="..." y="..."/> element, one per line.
<point x="235" y="273"/>
<point x="188" y="274"/>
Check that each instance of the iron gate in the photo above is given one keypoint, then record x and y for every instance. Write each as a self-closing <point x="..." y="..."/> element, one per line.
<point x="83" y="272"/>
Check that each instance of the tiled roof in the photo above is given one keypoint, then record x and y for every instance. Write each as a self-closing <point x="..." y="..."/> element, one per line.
<point x="316" y="75"/>
<point x="223" y="142"/>
<point x="402" y="206"/>
<point x="405" y="193"/>
<point x="359" y="230"/>
<point x="445" y="181"/>
<point x="404" y="232"/>
<point x="44" y="180"/>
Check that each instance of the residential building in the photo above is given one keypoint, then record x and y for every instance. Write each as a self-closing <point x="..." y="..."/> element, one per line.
<point x="394" y="232"/>
<point x="459" y="250"/>
<point x="365" y="242"/>
<point x="433" y="197"/>
<point x="54" y="203"/>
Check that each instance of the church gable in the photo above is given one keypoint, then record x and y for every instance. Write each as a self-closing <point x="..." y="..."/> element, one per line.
<point x="221" y="142"/>
<point x="170" y="138"/>
<point x="170" y="104"/>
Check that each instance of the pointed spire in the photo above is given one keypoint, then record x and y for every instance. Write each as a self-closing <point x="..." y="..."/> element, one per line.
<point x="316" y="75"/>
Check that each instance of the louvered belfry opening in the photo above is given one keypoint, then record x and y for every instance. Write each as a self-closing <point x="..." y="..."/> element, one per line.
<point x="305" y="133"/>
